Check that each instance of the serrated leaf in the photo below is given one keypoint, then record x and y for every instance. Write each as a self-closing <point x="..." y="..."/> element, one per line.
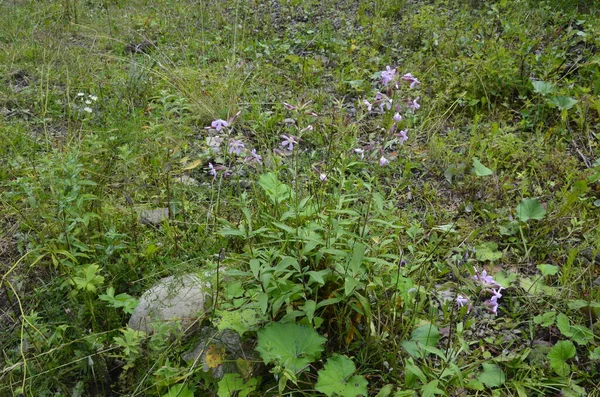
<point x="542" y="87"/>
<point x="292" y="346"/>
<point x="530" y="209"/>
<point x="335" y="379"/>
<point x="563" y="102"/>
<point x="480" y="169"/>
<point x="240" y="321"/>
<point x="559" y="354"/>
<point x="488" y="252"/>
<point x="492" y="375"/>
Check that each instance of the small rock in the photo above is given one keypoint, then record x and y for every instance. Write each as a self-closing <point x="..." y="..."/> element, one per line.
<point x="154" y="216"/>
<point x="172" y="299"/>
<point x="186" y="180"/>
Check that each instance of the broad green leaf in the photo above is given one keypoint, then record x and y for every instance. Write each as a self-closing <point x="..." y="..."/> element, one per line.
<point x="563" y="102"/>
<point x="240" y="321"/>
<point x="234" y="385"/>
<point x="559" y="354"/>
<point x="492" y="375"/>
<point x="542" y="87"/>
<point x="431" y="389"/>
<point x="546" y="319"/>
<point x="582" y="335"/>
<point x="425" y="335"/>
<point x="480" y="169"/>
<point x="530" y="209"/>
<point x="548" y="270"/>
<point x="488" y="252"/>
<point x="179" y="390"/>
<point x="336" y="378"/>
<point x="564" y="325"/>
<point x="277" y="191"/>
<point x="385" y="391"/>
<point x="289" y="345"/>
<point x="595" y="354"/>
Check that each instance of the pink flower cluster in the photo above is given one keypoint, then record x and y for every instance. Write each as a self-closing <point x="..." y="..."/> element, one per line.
<point x="489" y="285"/>
<point x="383" y="103"/>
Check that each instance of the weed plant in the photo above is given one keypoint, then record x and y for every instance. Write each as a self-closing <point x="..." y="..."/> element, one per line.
<point x="389" y="198"/>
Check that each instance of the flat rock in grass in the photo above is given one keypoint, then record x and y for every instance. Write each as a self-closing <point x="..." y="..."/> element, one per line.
<point x="173" y="299"/>
<point x="154" y="216"/>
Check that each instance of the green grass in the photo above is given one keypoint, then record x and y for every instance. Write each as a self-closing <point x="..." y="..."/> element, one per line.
<point x="104" y="105"/>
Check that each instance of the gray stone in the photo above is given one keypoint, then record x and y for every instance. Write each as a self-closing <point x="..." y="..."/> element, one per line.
<point x="186" y="180"/>
<point x="154" y="216"/>
<point x="172" y="299"/>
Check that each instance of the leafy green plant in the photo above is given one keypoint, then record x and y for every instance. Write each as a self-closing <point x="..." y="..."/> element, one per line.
<point x="337" y="378"/>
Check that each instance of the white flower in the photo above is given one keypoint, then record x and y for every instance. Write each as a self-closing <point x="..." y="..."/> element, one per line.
<point x="87" y="109"/>
<point x="80" y="94"/>
<point x="93" y="98"/>
<point x="88" y="102"/>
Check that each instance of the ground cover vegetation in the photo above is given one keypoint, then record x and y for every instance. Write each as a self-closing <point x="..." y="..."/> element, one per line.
<point x="390" y="198"/>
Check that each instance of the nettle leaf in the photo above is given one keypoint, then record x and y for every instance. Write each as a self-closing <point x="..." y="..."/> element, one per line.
<point x="292" y="346"/>
<point x="335" y="379"/>
<point x="530" y="209"/>
<point x="277" y="191"/>
<point x="492" y="375"/>
<point x="240" y="321"/>
<point x="542" y="87"/>
<point x="480" y="169"/>
<point x="563" y="102"/>
<point x="558" y="356"/>
<point x="488" y="252"/>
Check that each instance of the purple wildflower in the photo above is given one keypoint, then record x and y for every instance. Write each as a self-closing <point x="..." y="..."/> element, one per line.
<point x="323" y="177"/>
<point x="397" y="117"/>
<point x="485" y="280"/>
<point x="413" y="104"/>
<point x="360" y="152"/>
<point x="236" y="146"/>
<point x="254" y="157"/>
<point x="402" y="136"/>
<point x="492" y="305"/>
<point x="218" y="124"/>
<point x="387" y="75"/>
<point x="368" y="104"/>
<point x="383" y="161"/>
<point x="289" y="142"/>
<point x="463" y="300"/>
<point x="212" y="171"/>
<point x="408" y="77"/>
